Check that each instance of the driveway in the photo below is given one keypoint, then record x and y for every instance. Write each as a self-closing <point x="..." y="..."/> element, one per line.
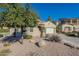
<point x="70" y="39"/>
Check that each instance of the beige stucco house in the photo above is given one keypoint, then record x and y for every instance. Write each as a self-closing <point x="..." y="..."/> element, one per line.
<point x="50" y="28"/>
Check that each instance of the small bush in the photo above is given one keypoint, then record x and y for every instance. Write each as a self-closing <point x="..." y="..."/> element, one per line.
<point x="69" y="33"/>
<point x="6" y="44"/>
<point x="4" y="30"/>
<point x="1" y="35"/>
<point x="74" y="34"/>
<point x="54" y="38"/>
<point x="4" y="52"/>
<point x="28" y="37"/>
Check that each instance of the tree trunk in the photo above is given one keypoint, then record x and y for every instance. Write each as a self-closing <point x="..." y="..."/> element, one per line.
<point x="14" y="34"/>
<point x="22" y="37"/>
<point x="41" y="35"/>
<point x="21" y="30"/>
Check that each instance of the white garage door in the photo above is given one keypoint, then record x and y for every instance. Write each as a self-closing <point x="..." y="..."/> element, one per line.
<point x="49" y="30"/>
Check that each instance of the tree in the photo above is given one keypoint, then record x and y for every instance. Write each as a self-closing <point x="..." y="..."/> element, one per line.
<point x="49" y="18"/>
<point x="18" y="15"/>
<point x="30" y="16"/>
<point x="2" y="20"/>
<point x="14" y="15"/>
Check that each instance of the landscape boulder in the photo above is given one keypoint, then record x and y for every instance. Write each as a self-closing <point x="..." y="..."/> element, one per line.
<point x="41" y="43"/>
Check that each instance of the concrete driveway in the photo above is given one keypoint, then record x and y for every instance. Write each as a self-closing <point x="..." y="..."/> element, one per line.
<point x="70" y="39"/>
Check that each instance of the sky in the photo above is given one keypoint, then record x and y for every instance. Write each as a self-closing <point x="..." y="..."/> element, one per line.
<point x="56" y="10"/>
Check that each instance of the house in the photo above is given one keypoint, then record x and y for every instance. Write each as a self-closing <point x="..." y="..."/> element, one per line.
<point x="49" y="27"/>
<point x="69" y="24"/>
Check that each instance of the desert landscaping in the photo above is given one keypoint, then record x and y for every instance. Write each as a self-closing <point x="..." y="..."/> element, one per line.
<point x="24" y="33"/>
<point x="30" y="48"/>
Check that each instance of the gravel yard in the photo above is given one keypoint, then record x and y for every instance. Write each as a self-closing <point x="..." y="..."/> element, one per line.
<point x="29" y="48"/>
<point x="51" y="49"/>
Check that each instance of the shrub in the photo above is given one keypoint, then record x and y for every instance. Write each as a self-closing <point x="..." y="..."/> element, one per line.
<point x="4" y="52"/>
<point x="74" y="33"/>
<point x="54" y="38"/>
<point x="4" y="30"/>
<point x="27" y="36"/>
<point x="1" y="35"/>
<point x="7" y="44"/>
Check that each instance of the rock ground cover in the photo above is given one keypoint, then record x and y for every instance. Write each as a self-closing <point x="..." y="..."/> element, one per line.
<point x="29" y="48"/>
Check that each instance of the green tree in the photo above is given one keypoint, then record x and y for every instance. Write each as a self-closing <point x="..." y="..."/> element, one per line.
<point x="18" y="15"/>
<point x="2" y="20"/>
<point x="49" y="18"/>
<point x="30" y="16"/>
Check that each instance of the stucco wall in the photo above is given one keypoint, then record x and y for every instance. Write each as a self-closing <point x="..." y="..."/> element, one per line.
<point x="35" y="32"/>
<point x="71" y="28"/>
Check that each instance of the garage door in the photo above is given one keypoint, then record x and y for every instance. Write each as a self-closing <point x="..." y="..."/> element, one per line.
<point x="49" y="30"/>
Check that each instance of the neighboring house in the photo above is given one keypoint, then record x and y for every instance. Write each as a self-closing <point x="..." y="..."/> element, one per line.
<point x="49" y="27"/>
<point x="69" y="24"/>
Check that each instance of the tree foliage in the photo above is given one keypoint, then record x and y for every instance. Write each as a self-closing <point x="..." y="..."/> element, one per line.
<point x="18" y="15"/>
<point x="49" y="18"/>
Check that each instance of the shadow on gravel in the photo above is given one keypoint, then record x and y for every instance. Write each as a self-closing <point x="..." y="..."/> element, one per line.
<point x="71" y="35"/>
<point x="37" y="44"/>
<point x="11" y="39"/>
<point x="68" y="45"/>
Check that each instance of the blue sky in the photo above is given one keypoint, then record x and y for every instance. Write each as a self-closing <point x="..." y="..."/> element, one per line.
<point x="56" y="10"/>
